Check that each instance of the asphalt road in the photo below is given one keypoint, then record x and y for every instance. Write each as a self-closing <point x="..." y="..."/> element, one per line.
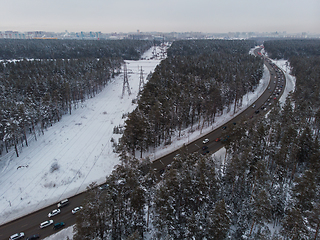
<point x="30" y="224"/>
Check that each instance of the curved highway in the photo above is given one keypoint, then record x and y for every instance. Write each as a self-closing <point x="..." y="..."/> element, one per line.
<point x="30" y="224"/>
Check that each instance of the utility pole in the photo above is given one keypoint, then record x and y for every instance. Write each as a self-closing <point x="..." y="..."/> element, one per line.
<point x="125" y="80"/>
<point x="141" y="83"/>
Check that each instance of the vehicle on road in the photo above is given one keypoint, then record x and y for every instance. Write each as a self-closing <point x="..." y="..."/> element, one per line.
<point x="35" y="236"/>
<point x="103" y="187"/>
<point x="17" y="236"/>
<point x="218" y="139"/>
<point x="204" y="147"/>
<point x="224" y="127"/>
<point x="76" y="209"/>
<point x="54" y="212"/>
<point x="257" y="111"/>
<point x="58" y="225"/>
<point x="46" y="223"/>
<point x="205" y="152"/>
<point x="205" y="141"/>
<point x="63" y="203"/>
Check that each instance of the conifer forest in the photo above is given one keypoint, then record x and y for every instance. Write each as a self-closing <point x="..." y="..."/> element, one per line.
<point x="266" y="188"/>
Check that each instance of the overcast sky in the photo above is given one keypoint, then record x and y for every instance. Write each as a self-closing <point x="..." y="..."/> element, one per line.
<point x="161" y="15"/>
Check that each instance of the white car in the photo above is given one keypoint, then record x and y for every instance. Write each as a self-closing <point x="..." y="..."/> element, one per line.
<point x="205" y="141"/>
<point x="46" y="223"/>
<point x="54" y="212"/>
<point x="63" y="203"/>
<point x="16" y="236"/>
<point x="76" y="209"/>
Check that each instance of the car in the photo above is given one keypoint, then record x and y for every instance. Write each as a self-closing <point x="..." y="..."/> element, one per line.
<point x="17" y="236"/>
<point x="218" y="139"/>
<point x="58" y="225"/>
<point x="63" y="203"/>
<point x="257" y="111"/>
<point x="204" y="147"/>
<point x="46" y="223"/>
<point x="103" y="187"/>
<point x="234" y="123"/>
<point x="76" y="209"/>
<point x="253" y="106"/>
<point x="54" y="212"/>
<point x="35" y="236"/>
<point x="161" y="171"/>
<point x="224" y="127"/>
<point x="205" y="141"/>
<point x="205" y="152"/>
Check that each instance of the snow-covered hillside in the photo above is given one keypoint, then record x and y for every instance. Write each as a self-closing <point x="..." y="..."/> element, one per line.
<point x="77" y="150"/>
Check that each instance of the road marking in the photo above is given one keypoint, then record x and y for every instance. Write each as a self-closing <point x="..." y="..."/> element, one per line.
<point x="196" y="145"/>
<point x="24" y="225"/>
<point x="161" y="162"/>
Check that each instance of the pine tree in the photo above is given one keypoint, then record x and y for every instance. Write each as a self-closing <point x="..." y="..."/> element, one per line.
<point x="218" y="222"/>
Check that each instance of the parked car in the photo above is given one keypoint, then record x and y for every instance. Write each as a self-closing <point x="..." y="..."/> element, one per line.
<point x="63" y="203"/>
<point x="205" y="141"/>
<point x="35" y="236"/>
<point x="54" y="212"/>
<point x="46" y="223"/>
<point x="218" y="139"/>
<point x="17" y="236"/>
<point x="58" y="225"/>
<point x="76" y="209"/>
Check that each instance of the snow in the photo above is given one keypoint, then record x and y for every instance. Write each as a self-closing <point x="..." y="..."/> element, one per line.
<point x="77" y="150"/>
<point x="72" y="153"/>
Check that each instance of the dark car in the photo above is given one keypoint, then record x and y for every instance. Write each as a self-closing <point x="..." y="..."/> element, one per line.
<point x="58" y="225"/>
<point x="205" y="152"/>
<point x="224" y="127"/>
<point x="257" y="111"/>
<point x="35" y="236"/>
<point x="204" y="147"/>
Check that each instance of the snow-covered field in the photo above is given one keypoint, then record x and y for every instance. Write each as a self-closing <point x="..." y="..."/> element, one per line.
<point x="77" y="150"/>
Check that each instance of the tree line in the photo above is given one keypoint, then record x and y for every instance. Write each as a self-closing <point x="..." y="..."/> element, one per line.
<point x="36" y="93"/>
<point x="68" y="49"/>
<point x="190" y="90"/>
<point x="285" y="49"/>
<point x="266" y="187"/>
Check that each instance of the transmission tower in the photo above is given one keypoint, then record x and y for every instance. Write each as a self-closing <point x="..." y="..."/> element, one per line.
<point x="141" y="83"/>
<point x="125" y="80"/>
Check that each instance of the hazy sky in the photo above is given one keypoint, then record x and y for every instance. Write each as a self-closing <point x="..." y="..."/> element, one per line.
<point x="161" y="15"/>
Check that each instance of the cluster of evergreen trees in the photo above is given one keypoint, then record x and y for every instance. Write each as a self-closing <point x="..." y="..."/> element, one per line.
<point x="285" y="49"/>
<point x="194" y="84"/>
<point x="36" y="93"/>
<point x="67" y="49"/>
<point x="267" y="186"/>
